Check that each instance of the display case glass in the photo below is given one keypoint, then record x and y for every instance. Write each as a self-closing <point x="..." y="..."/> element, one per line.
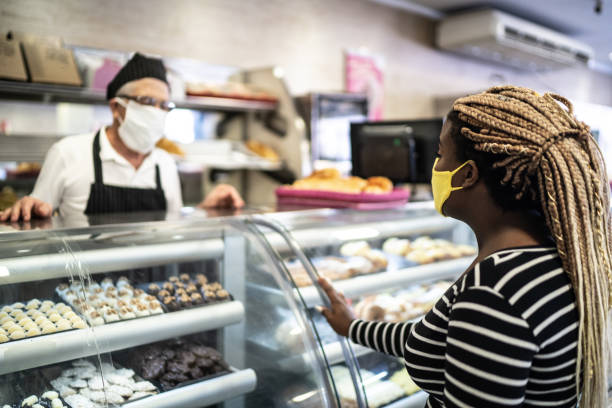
<point x="196" y="312"/>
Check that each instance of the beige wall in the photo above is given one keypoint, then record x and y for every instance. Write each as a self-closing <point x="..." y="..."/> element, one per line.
<point x="305" y="37"/>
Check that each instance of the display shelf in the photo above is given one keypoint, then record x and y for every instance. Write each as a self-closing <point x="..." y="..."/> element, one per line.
<point x="368" y="284"/>
<point x="326" y="235"/>
<point x="48" y="93"/>
<point x="42" y="267"/>
<point x="201" y="394"/>
<point x="54" y="348"/>
<point x="333" y="352"/>
<point x="416" y="400"/>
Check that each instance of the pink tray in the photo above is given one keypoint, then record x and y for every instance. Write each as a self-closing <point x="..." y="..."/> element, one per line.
<point x="330" y="199"/>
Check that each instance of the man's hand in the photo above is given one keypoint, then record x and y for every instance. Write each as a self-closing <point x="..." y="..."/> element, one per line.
<point x="26" y="208"/>
<point x="222" y="196"/>
<point x="340" y="315"/>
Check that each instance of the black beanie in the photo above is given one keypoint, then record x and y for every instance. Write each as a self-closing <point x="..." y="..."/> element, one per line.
<point x="137" y="68"/>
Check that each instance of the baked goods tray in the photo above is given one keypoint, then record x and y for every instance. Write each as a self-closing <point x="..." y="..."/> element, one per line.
<point x="177" y="306"/>
<point x="330" y="199"/>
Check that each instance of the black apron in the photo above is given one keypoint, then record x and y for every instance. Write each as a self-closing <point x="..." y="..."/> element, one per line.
<point x="105" y="199"/>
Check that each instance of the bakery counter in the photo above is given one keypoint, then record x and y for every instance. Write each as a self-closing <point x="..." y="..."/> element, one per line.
<point x="209" y="392"/>
<point x="53" y="348"/>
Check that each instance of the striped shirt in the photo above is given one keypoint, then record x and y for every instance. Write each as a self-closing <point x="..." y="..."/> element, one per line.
<point x="505" y="334"/>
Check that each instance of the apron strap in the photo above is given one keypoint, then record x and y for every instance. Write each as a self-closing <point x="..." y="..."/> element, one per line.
<point x="96" y="159"/>
<point x="157" y="178"/>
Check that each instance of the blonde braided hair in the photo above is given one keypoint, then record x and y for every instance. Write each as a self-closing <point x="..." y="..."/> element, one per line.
<point x="551" y="159"/>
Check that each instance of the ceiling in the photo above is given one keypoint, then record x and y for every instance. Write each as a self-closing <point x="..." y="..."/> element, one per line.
<point x="576" y="18"/>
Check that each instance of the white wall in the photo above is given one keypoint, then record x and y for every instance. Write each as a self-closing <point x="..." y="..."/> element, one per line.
<point x="305" y="37"/>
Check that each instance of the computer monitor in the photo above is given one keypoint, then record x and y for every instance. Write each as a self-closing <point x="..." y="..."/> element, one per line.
<point x="403" y="151"/>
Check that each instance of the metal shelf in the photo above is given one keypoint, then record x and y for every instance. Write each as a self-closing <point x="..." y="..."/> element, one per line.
<point x="202" y="393"/>
<point x="367" y="284"/>
<point x="332" y="236"/>
<point x="42" y="350"/>
<point x="42" y="267"/>
<point x="48" y="93"/>
<point x="416" y="400"/>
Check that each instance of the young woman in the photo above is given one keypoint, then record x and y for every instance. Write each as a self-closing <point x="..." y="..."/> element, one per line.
<point x="525" y="325"/>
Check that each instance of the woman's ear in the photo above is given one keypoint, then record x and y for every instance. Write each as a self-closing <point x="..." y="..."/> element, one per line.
<point x="471" y="174"/>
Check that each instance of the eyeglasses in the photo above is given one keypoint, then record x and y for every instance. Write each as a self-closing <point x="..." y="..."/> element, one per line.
<point x="149" y="101"/>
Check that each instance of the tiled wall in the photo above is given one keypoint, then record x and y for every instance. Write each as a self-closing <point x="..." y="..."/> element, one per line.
<point x="305" y="37"/>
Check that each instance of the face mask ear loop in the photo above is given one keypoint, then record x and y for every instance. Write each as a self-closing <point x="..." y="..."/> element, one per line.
<point x="455" y="172"/>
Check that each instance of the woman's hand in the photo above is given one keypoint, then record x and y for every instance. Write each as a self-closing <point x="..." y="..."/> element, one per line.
<point x="340" y="315"/>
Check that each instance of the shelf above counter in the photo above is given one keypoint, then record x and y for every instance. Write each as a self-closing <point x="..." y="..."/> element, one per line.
<point x="54" y="348"/>
<point x="42" y="267"/>
<point x="49" y="93"/>
<point x="200" y="394"/>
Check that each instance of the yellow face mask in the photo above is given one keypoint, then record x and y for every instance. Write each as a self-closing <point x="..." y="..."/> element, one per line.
<point x="441" y="185"/>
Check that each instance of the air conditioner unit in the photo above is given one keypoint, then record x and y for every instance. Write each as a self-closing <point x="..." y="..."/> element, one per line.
<point x="506" y="39"/>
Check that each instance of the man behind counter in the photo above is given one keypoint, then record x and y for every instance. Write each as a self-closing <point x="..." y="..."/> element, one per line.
<point x="118" y="168"/>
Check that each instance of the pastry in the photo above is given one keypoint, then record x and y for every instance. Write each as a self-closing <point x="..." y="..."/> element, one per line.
<point x="170" y="303"/>
<point x="95" y="319"/>
<point x="125" y="392"/>
<point x="153" y="289"/>
<point x="29" y="401"/>
<point x="126" y="313"/>
<point x="140" y="394"/>
<point x="262" y="150"/>
<point x="144" y="386"/>
<point x="33" y="332"/>
<point x="155" y="308"/>
<point x="111" y="316"/>
<point x="184" y="278"/>
<point x="63" y="325"/>
<point x="141" y="310"/>
<point x="57" y="403"/>
<point x="3" y="338"/>
<point x="378" y="185"/>
<point x="173" y="279"/>
<point x="196" y="299"/>
<point x="397" y="246"/>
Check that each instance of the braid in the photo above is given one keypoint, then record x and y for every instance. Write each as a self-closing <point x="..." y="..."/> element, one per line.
<point x="541" y="155"/>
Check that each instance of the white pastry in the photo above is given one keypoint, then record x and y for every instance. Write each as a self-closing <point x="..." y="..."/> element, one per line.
<point x="54" y="317"/>
<point x="126" y="313"/>
<point x="96" y="383"/>
<point x="123" y="391"/>
<point x="79" y="324"/>
<point x="50" y="395"/>
<point x="6" y="319"/>
<point x="48" y="329"/>
<point x="3" y="338"/>
<point x="57" y="403"/>
<point x="66" y="391"/>
<point x="113" y="397"/>
<point x="7" y="309"/>
<point x="63" y="324"/>
<point x="16" y="335"/>
<point x="118" y="380"/>
<point x="78" y="383"/>
<point x="17" y="305"/>
<point x="29" y="401"/>
<point x="111" y="316"/>
<point x="95" y="319"/>
<point x="86" y="373"/>
<point x="33" y="332"/>
<point x="60" y="382"/>
<point x="79" y="401"/>
<point x="141" y="394"/>
<point x="95" y="396"/>
<point x="125" y="372"/>
<point x="33" y="304"/>
<point x="144" y="386"/>
<point x="47" y="303"/>
<point x="37" y="406"/>
<point x="357" y="248"/>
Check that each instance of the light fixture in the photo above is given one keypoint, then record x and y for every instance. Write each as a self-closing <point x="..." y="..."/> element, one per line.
<point x="610" y="56"/>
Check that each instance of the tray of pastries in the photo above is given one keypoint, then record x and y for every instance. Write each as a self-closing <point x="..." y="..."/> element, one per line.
<point x="108" y="301"/>
<point x="184" y="292"/>
<point x="36" y="318"/>
<point x="327" y="188"/>
<point x="424" y="250"/>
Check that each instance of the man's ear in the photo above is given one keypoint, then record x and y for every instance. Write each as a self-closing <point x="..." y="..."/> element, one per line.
<point x="117" y="110"/>
<point x="470" y="172"/>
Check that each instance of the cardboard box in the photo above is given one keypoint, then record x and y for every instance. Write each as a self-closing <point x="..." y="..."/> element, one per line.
<point x="11" y="61"/>
<point x="51" y="64"/>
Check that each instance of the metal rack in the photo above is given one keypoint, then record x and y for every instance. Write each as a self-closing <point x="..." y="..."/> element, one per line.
<point x="47" y="93"/>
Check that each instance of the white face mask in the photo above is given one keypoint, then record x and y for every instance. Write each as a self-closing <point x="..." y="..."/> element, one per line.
<point x="142" y="126"/>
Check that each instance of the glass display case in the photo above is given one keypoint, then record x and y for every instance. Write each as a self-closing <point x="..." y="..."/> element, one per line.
<point x="198" y="312"/>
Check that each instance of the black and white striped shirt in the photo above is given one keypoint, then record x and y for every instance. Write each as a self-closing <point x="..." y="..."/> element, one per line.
<point x="505" y="334"/>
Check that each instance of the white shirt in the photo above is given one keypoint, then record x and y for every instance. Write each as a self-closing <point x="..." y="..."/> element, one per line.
<point x="68" y="172"/>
